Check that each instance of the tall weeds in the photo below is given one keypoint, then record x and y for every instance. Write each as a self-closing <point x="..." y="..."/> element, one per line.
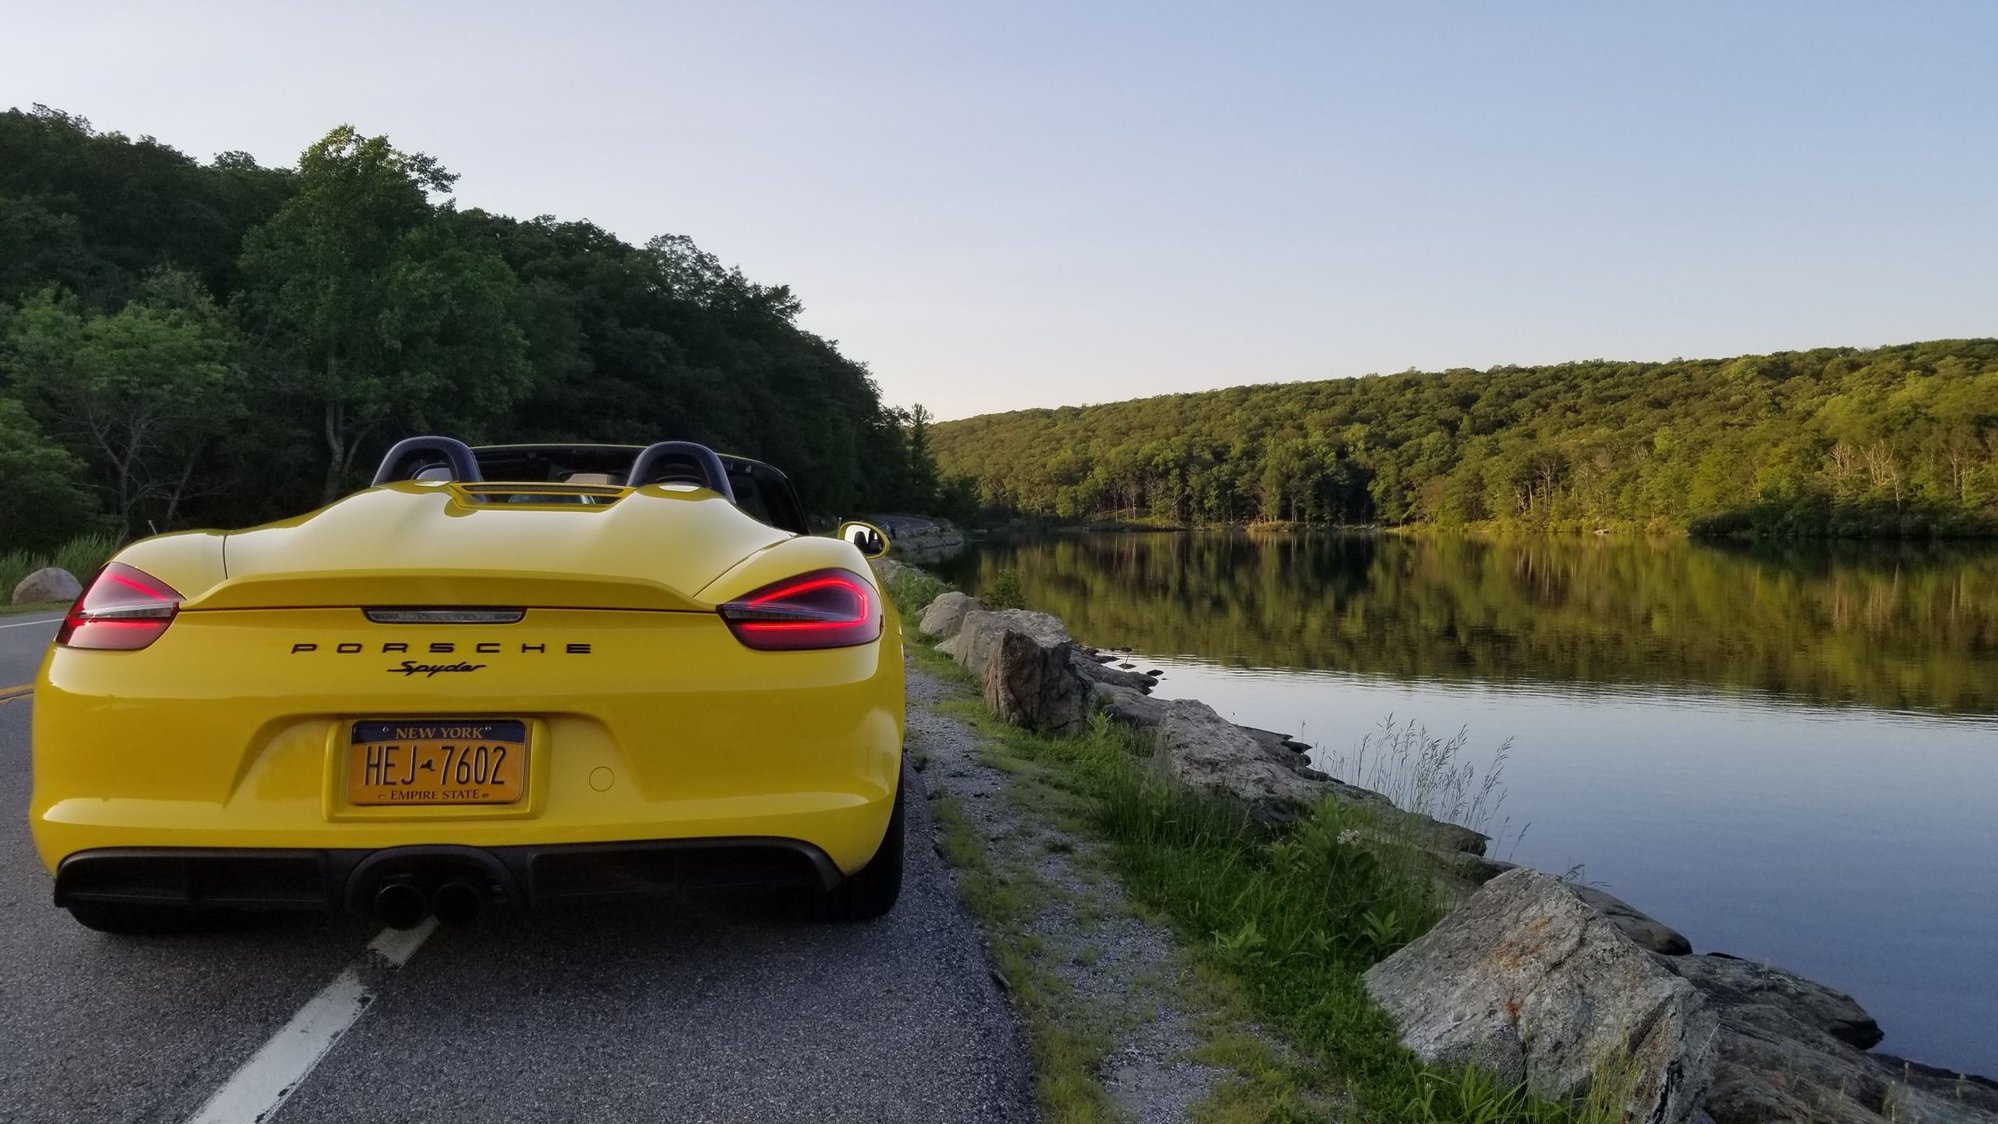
<point x="1423" y="773"/>
<point x="80" y="556"/>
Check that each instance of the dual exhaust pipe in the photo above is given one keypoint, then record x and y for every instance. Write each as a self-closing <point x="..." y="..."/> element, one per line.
<point x="403" y="905"/>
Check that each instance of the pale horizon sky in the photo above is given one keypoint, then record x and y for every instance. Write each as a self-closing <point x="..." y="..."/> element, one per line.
<point x="1005" y="206"/>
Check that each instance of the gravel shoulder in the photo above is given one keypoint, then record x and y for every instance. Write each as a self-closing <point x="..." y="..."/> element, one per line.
<point x="1110" y="1001"/>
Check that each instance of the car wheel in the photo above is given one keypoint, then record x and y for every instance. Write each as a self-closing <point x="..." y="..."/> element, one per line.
<point x="134" y="919"/>
<point x="871" y="891"/>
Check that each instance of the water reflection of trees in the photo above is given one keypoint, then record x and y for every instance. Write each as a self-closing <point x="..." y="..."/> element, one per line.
<point x="1898" y="626"/>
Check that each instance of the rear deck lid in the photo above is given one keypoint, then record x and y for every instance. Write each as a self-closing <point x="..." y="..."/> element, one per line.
<point x="422" y="543"/>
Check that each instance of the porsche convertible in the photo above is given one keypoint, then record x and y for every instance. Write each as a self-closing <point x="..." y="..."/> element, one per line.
<point x="505" y="676"/>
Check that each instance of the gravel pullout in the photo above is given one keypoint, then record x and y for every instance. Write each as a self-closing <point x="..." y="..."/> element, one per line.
<point x="1117" y="968"/>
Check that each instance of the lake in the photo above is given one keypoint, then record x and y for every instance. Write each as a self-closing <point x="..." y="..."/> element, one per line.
<point x="1787" y="753"/>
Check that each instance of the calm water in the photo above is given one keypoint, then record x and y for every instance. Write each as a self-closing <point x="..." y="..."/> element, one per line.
<point x="1789" y="755"/>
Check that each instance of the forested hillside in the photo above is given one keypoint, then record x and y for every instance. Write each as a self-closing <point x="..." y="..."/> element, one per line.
<point x="1898" y="440"/>
<point x="216" y="344"/>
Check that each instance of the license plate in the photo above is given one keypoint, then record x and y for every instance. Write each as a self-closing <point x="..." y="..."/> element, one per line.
<point x="437" y="761"/>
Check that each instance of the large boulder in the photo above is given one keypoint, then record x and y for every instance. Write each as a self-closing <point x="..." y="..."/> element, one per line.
<point x="945" y="615"/>
<point x="1035" y="687"/>
<point x="978" y="635"/>
<point x="1730" y="981"/>
<point x="1090" y="668"/>
<point x="1207" y="753"/>
<point x="1793" y="1049"/>
<point x="1528" y="982"/>
<point x="50" y="583"/>
<point x="1773" y="1065"/>
<point x="1281" y="741"/>
<point x="1644" y="930"/>
<point x="1131" y="706"/>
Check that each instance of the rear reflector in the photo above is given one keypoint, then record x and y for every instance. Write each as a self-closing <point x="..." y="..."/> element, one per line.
<point x="123" y="610"/>
<point x="822" y="609"/>
<point x="445" y="616"/>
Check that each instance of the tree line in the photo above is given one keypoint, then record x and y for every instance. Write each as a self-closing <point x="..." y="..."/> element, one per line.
<point x="1900" y="625"/>
<point x="189" y="344"/>
<point x="1892" y="441"/>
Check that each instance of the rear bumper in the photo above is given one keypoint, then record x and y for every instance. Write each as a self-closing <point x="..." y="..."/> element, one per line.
<point x="346" y="880"/>
<point x="221" y="737"/>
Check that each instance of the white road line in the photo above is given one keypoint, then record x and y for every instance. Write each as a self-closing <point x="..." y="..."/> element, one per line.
<point x="25" y="624"/>
<point x="268" y="1079"/>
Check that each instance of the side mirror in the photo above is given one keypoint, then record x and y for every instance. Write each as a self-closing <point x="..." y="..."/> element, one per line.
<point x="871" y="540"/>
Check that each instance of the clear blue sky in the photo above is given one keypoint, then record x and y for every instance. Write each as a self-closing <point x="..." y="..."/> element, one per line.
<point x="1006" y="204"/>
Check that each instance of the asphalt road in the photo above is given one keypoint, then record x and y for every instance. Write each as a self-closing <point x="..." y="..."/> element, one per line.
<point x="679" y="1012"/>
<point x="23" y="639"/>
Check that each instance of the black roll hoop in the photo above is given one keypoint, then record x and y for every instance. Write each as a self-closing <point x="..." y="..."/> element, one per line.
<point x="651" y="458"/>
<point x="412" y="455"/>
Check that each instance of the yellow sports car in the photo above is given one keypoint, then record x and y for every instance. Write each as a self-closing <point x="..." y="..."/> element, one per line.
<point x="513" y="675"/>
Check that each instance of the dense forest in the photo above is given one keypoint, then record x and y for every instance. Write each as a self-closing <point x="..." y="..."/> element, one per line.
<point x="1898" y="440"/>
<point x="217" y="344"/>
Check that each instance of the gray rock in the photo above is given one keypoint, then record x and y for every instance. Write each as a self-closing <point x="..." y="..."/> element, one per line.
<point x="1131" y="706"/>
<point x="1973" y="1097"/>
<point x="978" y="636"/>
<point x="1096" y="672"/>
<point x="1645" y="930"/>
<point x="1271" y="736"/>
<point x="888" y="569"/>
<point x="1792" y="1049"/>
<point x="1210" y="754"/>
<point x="50" y="583"/>
<point x="1773" y="1065"/>
<point x="1207" y="753"/>
<point x="1729" y="981"/>
<point x="1527" y="981"/>
<point x="945" y="615"/>
<point x="1035" y="687"/>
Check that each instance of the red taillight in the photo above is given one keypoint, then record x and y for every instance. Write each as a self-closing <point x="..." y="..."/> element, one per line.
<point x="123" y="610"/>
<point x="822" y="609"/>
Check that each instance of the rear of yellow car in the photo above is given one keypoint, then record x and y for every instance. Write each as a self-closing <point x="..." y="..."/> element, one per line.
<point x="438" y="697"/>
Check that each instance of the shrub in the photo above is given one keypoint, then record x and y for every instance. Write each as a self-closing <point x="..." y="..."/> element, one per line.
<point x="912" y="590"/>
<point x="1004" y="592"/>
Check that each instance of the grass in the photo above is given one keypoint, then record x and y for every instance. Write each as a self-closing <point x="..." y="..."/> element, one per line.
<point x="80" y="556"/>
<point x="1287" y="919"/>
<point x="912" y="589"/>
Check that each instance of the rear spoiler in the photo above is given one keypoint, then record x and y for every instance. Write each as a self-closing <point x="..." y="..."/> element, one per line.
<point x="349" y="589"/>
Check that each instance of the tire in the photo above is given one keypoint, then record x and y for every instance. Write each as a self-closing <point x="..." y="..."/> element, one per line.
<point x="134" y="919"/>
<point x="871" y="891"/>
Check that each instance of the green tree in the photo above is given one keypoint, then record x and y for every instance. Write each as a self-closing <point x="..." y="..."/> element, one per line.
<point x="140" y="392"/>
<point x="375" y="307"/>
<point x="45" y="501"/>
<point x="923" y="485"/>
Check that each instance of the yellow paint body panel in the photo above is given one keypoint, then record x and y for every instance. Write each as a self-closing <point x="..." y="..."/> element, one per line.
<point x="227" y="732"/>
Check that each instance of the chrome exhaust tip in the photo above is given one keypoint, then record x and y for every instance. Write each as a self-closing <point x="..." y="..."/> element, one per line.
<point x="400" y="905"/>
<point x="457" y="902"/>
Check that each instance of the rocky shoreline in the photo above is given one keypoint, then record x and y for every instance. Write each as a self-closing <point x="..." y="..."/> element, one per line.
<point x="1560" y="986"/>
<point x="920" y="539"/>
